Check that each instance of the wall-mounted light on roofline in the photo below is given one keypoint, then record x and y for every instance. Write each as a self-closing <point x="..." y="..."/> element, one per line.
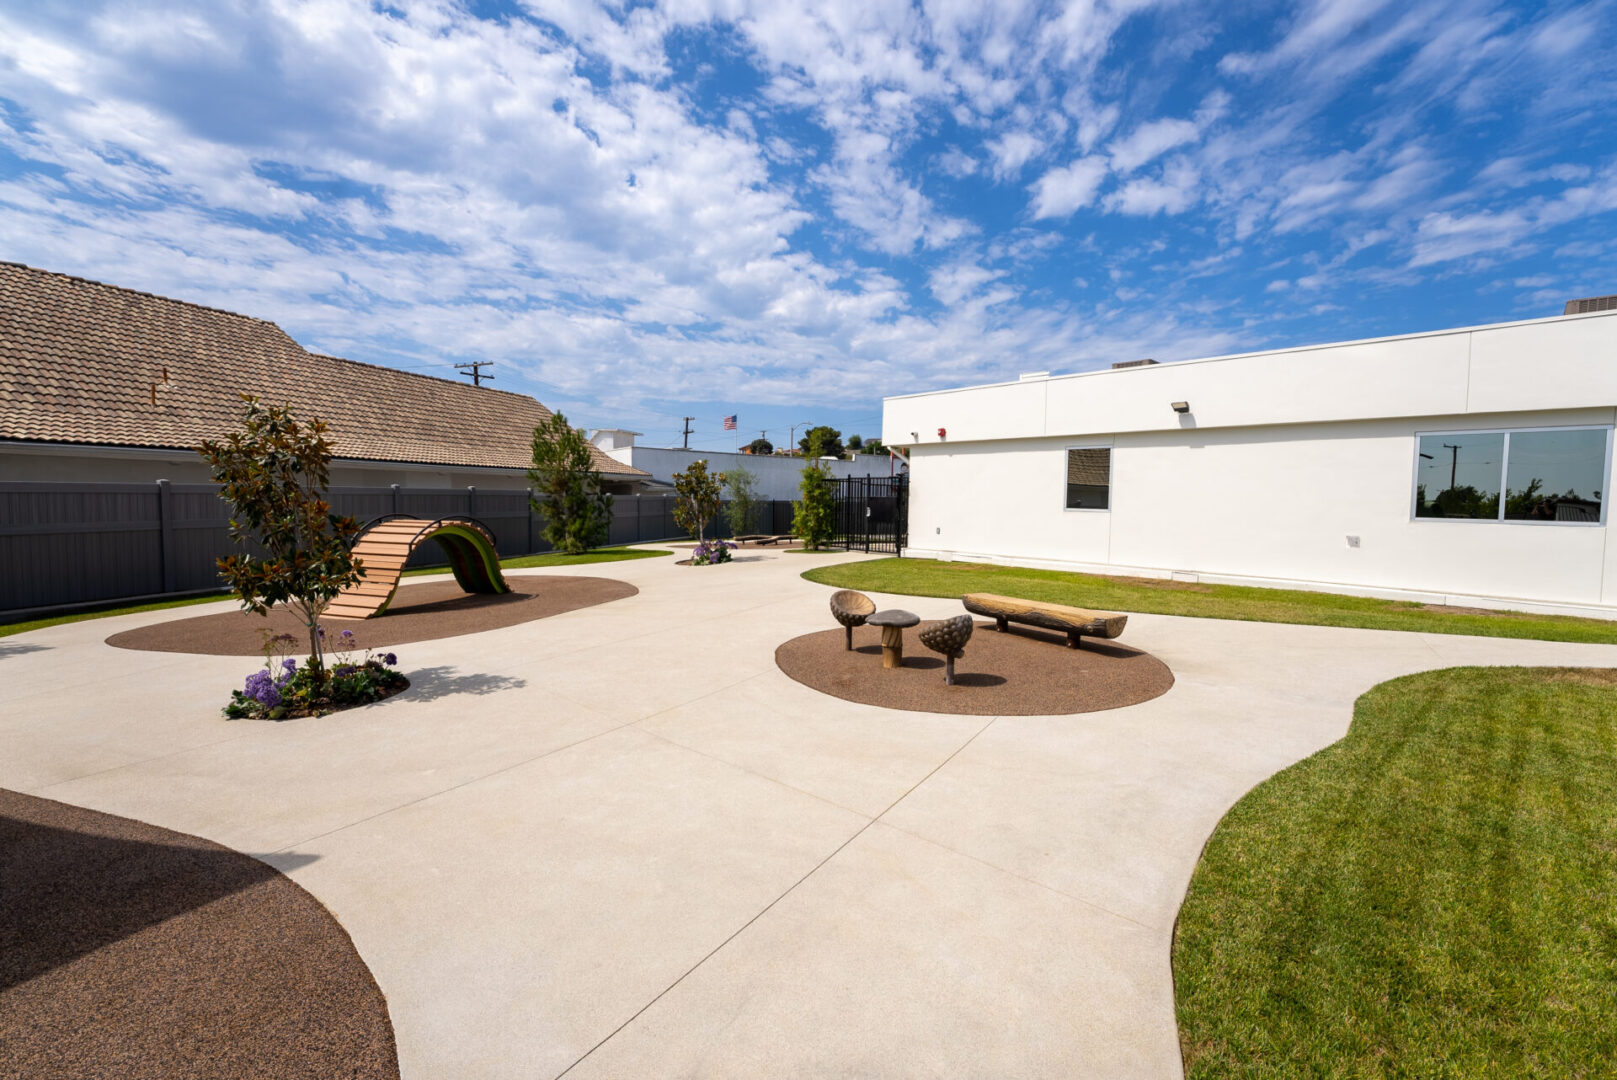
<point x="1181" y="406"/>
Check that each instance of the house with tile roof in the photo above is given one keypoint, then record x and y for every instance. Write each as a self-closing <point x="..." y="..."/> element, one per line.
<point x="105" y="384"/>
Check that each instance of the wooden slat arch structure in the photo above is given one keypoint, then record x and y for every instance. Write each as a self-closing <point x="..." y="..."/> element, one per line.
<point x="383" y="545"/>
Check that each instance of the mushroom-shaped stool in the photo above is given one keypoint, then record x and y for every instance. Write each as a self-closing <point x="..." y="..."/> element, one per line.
<point x="851" y="609"/>
<point x="949" y="637"/>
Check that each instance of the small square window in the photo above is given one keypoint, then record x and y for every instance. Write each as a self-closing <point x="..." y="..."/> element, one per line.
<point x="1089" y="478"/>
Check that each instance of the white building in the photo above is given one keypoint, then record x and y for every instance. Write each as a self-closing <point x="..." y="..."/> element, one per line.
<point x="1369" y="467"/>
<point x="777" y="476"/>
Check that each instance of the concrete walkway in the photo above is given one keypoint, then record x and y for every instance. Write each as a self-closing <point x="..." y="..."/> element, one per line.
<point x="620" y="843"/>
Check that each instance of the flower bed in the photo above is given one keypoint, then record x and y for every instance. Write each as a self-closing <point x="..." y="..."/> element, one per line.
<point x="712" y="552"/>
<point x="282" y="689"/>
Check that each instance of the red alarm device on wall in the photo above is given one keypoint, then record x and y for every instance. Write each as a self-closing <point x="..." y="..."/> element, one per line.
<point x="943" y="433"/>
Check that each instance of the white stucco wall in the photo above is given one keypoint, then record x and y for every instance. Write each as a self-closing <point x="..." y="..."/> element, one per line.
<point x="1282" y="458"/>
<point x="778" y="477"/>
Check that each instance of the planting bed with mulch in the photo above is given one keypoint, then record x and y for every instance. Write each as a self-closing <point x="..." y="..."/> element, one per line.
<point x="419" y="612"/>
<point x="134" y="952"/>
<point x="1020" y="673"/>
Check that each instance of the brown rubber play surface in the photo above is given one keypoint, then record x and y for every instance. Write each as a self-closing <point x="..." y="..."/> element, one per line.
<point x="134" y="952"/>
<point x="1020" y="673"/>
<point x="420" y="612"/>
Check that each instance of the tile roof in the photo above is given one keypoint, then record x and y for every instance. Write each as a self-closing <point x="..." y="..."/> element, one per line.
<point x="87" y="363"/>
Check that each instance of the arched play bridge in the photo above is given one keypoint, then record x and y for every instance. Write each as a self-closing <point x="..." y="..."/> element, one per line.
<point x="384" y="545"/>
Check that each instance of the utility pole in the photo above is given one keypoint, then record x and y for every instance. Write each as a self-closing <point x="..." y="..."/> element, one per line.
<point x="475" y="369"/>
<point x="1454" y="462"/>
<point x="688" y="420"/>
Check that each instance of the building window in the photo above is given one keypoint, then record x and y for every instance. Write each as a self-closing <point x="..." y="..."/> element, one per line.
<point x="1089" y="478"/>
<point x="1546" y="475"/>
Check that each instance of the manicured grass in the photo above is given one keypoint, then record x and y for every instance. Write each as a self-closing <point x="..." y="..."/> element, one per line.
<point x="1430" y="897"/>
<point x="7" y="629"/>
<point x="552" y="559"/>
<point x="928" y="577"/>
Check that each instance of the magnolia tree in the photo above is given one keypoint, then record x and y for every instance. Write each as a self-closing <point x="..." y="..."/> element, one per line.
<point x="274" y="473"/>
<point x="698" y="498"/>
<point x="568" y="492"/>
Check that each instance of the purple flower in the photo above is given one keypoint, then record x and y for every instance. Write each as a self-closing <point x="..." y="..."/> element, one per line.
<point x="289" y="665"/>
<point x="262" y="689"/>
<point x="347" y="633"/>
<point x="390" y="659"/>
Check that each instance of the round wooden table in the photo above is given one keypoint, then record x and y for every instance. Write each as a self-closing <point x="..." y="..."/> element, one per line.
<point x="892" y="623"/>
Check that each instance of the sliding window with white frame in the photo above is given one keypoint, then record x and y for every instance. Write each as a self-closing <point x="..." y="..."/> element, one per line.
<point x="1545" y="476"/>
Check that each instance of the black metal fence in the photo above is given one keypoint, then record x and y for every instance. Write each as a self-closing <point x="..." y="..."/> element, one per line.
<point x="67" y="544"/>
<point x="872" y="513"/>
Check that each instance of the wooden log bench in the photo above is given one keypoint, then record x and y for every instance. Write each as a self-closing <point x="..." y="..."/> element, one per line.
<point x="1076" y="622"/>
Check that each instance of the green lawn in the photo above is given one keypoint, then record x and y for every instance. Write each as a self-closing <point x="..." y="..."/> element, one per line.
<point x="1434" y="896"/>
<point x="928" y="577"/>
<point x="7" y="629"/>
<point x="599" y="555"/>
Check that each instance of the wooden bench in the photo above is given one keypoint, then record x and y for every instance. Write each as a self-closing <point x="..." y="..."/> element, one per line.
<point x="1075" y="621"/>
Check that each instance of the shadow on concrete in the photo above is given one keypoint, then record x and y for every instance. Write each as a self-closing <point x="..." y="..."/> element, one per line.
<point x="19" y="648"/>
<point x="433" y="683"/>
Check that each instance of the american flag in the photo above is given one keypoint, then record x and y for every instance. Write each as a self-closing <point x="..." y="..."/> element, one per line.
<point x="729" y="423"/>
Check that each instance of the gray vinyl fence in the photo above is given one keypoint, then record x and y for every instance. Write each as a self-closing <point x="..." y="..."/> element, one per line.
<point x="80" y="544"/>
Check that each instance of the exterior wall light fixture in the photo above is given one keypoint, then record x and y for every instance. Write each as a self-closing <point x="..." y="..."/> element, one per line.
<point x="1181" y="406"/>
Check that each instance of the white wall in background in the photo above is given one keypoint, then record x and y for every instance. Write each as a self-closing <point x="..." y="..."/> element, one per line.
<point x="1283" y="457"/>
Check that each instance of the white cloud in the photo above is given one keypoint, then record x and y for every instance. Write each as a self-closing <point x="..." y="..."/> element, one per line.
<point x="1012" y="151"/>
<point x="1063" y="191"/>
<point x="410" y="181"/>
<point x="957" y="163"/>
<point x="1173" y="193"/>
<point x="1149" y="141"/>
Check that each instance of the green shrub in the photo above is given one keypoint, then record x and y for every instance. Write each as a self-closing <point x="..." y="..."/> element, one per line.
<point x="813" y="516"/>
<point x="568" y="492"/>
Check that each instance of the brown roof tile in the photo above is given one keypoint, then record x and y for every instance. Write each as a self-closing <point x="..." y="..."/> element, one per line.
<point x="81" y="362"/>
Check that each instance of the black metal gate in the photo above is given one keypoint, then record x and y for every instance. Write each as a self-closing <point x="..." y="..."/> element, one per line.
<point x="872" y="513"/>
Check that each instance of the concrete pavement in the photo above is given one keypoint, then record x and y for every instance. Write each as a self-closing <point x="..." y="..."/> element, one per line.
<point x="619" y="842"/>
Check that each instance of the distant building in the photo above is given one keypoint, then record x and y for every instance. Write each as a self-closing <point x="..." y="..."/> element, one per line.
<point x="105" y="384"/>
<point x="778" y="474"/>
<point x="1467" y="467"/>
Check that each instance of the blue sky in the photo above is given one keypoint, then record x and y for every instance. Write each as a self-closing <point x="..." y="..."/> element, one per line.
<point x="641" y="211"/>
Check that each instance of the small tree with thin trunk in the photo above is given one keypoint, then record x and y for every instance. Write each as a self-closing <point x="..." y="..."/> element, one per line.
<point x="698" y="500"/>
<point x="742" y="511"/>
<point x="274" y="473"/>
<point x="568" y="492"/>
<point x="813" y="515"/>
